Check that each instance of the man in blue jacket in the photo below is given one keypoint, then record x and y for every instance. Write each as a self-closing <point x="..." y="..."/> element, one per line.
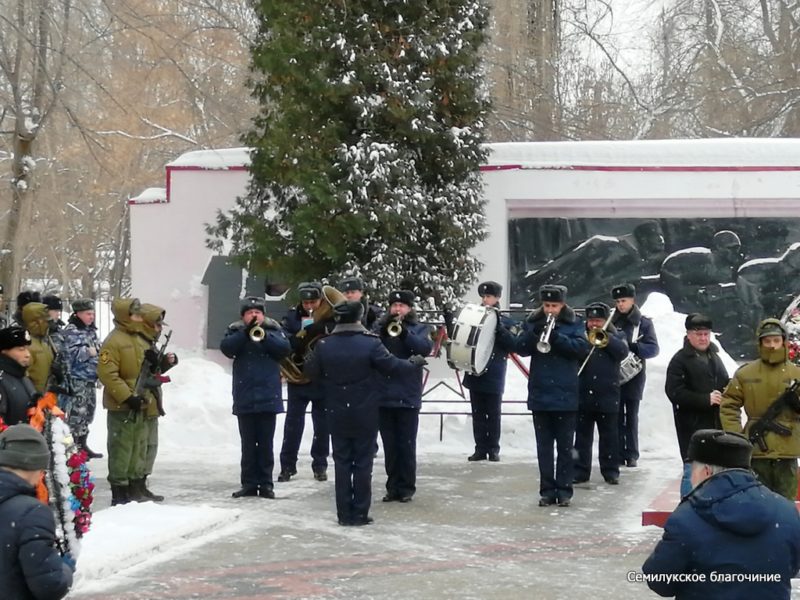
<point x="552" y="387"/>
<point x="486" y="389"/>
<point x="401" y="395"/>
<point x="599" y="399"/>
<point x="347" y="363"/>
<point x="30" y="566"/>
<point x="257" y="396"/>
<point x="731" y="538"/>
<point x="641" y="336"/>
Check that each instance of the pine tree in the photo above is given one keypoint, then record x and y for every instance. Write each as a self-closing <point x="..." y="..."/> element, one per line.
<point x="367" y="144"/>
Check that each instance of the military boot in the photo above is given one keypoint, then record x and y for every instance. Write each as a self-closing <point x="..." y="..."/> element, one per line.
<point x="136" y="491"/>
<point x="90" y="454"/>
<point x="148" y="494"/>
<point x="119" y="495"/>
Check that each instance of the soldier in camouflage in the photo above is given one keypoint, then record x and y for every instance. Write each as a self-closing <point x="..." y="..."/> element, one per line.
<point x="83" y="347"/>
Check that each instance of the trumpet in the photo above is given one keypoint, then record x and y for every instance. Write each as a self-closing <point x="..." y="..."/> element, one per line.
<point x="543" y="345"/>
<point x="395" y="327"/>
<point x="257" y="333"/>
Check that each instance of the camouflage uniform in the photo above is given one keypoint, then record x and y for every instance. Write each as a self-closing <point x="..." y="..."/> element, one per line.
<point x="83" y="349"/>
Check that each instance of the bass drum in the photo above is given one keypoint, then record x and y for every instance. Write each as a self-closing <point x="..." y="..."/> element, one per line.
<point x="472" y="343"/>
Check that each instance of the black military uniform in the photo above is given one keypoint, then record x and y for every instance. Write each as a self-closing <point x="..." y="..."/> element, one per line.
<point x="16" y="390"/>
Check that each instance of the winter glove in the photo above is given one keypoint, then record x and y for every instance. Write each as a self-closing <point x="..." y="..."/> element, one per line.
<point x="634" y="347"/>
<point x="57" y="371"/>
<point x="135" y="402"/>
<point x="69" y="561"/>
<point x="418" y="360"/>
<point x="151" y="356"/>
<point x="161" y="411"/>
<point x="253" y="322"/>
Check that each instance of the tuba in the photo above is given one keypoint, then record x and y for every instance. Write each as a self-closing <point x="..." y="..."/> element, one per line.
<point x="292" y="366"/>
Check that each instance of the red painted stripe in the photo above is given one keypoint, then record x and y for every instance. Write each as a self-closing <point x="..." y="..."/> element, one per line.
<point x="647" y="169"/>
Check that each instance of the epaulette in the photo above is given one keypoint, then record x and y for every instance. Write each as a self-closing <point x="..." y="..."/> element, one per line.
<point x="371" y="334"/>
<point x="236" y="324"/>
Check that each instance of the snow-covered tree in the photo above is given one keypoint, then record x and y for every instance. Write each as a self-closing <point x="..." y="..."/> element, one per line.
<point x="367" y="144"/>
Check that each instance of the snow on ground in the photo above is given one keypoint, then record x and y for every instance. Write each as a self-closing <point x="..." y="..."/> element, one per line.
<point x="199" y="425"/>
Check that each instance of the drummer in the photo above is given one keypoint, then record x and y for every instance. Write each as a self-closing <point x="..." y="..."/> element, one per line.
<point x="486" y="390"/>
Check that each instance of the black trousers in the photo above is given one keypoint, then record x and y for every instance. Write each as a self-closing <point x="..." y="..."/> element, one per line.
<point x="398" y="427"/>
<point x="352" y="459"/>
<point x="555" y="474"/>
<point x="629" y="427"/>
<point x="293" y="427"/>
<point x="607" y="444"/>
<point x="486" y="421"/>
<point x="257" y="432"/>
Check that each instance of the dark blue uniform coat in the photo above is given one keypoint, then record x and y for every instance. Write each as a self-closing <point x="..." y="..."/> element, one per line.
<point x="30" y="566"/>
<point x="256" y="374"/>
<point x="730" y="524"/>
<point x="599" y="405"/>
<point x="645" y="346"/>
<point x="347" y="364"/>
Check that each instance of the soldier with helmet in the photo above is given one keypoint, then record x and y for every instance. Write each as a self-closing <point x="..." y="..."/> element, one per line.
<point x="346" y="363"/>
<point x="753" y="388"/>
<point x="257" y="395"/>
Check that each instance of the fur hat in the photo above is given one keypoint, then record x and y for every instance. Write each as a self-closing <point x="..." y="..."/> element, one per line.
<point x="720" y="448"/>
<point x="310" y="290"/>
<point x="83" y="304"/>
<point x="490" y="288"/>
<point x="53" y="302"/>
<point x="348" y="311"/>
<point x="696" y="321"/>
<point x="771" y="327"/>
<point x="24" y="448"/>
<point x="14" y="337"/>
<point x="351" y="284"/>
<point x="553" y="293"/>
<point x="624" y="290"/>
<point x="252" y="302"/>
<point x="404" y="296"/>
<point x="598" y="310"/>
<point x="26" y="297"/>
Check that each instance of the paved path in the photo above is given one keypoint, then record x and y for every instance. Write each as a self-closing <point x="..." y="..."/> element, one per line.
<point x="472" y="531"/>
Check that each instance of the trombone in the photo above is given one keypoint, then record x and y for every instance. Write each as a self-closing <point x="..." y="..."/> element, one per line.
<point x="598" y="338"/>
<point x="543" y="345"/>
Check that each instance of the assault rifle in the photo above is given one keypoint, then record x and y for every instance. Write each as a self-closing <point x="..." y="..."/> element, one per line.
<point x="788" y="399"/>
<point x="149" y="376"/>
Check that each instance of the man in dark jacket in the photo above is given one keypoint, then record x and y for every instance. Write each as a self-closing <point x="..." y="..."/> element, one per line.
<point x="17" y="393"/>
<point x="30" y="566"/>
<point x="641" y="337"/>
<point x="347" y="362"/>
<point x="599" y="399"/>
<point x="552" y="387"/>
<point x="300" y="328"/>
<point x="353" y="289"/>
<point x="694" y="384"/>
<point x="731" y="538"/>
<point x="401" y="396"/>
<point x="486" y="389"/>
<point x="257" y="396"/>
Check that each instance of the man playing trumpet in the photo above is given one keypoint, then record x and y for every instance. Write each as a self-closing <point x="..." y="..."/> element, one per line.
<point x="401" y="396"/>
<point x="555" y="339"/>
